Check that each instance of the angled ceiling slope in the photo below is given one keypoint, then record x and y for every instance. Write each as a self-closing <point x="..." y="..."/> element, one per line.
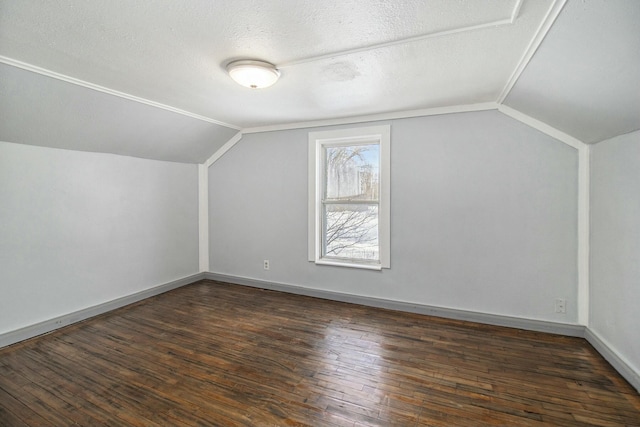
<point x="147" y="79"/>
<point x="585" y="77"/>
<point x="41" y="110"/>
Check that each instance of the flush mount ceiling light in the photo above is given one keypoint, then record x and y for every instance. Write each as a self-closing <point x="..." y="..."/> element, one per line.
<point x="253" y="74"/>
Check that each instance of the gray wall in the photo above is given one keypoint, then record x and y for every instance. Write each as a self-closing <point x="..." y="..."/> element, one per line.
<point x="484" y="216"/>
<point x="79" y="229"/>
<point x="615" y="245"/>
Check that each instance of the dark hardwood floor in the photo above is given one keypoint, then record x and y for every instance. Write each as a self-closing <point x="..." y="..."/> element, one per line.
<point x="226" y="355"/>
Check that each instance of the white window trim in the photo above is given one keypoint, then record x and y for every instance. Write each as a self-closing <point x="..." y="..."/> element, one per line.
<point x="341" y="136"/>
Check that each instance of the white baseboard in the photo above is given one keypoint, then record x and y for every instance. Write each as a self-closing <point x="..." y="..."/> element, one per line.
<point x="599" y="344"/>
<point x="612" y="356"/>
<point x="449" y="313"/>
<point x="592" y="337"/>
<point x="36" y="329"/>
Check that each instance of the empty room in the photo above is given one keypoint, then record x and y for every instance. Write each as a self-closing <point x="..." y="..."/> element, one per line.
<point x="320" y="213"/>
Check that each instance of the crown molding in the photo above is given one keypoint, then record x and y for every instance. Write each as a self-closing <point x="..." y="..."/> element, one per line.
<point x="534" y="44"/>
<point x="462" y="29"/>
<point x="43" y="71"/>
<point x="542" y="127"/>
<point x="375" y="117"/>
<point x="226" y="147"/>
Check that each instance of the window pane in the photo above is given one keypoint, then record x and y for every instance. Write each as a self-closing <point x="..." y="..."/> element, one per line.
<point x="351" y="231"/>
<point x="352" y="172"/>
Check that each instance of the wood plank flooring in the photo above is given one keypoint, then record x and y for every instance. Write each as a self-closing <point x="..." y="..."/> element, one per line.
<point x="226" y="355"/>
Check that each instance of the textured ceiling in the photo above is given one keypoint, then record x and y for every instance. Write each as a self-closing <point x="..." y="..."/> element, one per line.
<point x="338" y="59"/>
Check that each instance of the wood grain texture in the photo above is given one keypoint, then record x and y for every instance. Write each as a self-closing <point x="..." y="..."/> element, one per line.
<point x="218" y="354"/>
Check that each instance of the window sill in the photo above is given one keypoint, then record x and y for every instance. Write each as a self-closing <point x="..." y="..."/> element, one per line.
<point x="363" y="266"/>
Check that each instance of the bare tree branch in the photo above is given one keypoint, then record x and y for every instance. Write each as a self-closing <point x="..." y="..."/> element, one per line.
<point x="349" y="228"/>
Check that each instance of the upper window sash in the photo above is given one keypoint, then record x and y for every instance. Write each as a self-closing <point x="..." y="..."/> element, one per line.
<point x="358" y="163"/>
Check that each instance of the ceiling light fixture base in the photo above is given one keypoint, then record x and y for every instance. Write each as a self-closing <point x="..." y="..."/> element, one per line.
<point x="252" y="73"/>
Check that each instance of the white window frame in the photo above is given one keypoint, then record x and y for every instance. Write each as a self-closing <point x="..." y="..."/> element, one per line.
<point x="317" y="141"/>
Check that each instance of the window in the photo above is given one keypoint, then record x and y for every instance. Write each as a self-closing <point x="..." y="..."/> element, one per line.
<point x="349" y="197"/>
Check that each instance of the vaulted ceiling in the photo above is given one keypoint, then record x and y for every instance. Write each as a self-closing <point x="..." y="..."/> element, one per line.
<point x="147" y="78"/>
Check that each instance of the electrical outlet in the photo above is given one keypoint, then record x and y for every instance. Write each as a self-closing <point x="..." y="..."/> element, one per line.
<point x="561" y="306"/>
<point x="266" y="264"/>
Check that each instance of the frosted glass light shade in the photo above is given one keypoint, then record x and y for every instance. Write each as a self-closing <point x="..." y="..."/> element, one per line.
<point x="253" y="74"/>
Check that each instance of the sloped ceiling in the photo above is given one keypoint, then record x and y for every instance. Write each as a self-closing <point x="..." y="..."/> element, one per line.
<point x="147" y="78"/>
<point x="40" y="110"/>
<point x="585" y="77"/>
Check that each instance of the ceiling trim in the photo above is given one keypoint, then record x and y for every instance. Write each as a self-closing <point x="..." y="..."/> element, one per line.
<point x="43" y="71"/>
<point x="375" y="117"/>
<point x="493" y="24"/>
<point x="534" y="44"/>
<point x="542" y="127"/>
<point x="222" y="150"/>
<point x="516" y="11"/>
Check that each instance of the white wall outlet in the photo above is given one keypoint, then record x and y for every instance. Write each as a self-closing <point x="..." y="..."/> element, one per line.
<point x="266" y="264"/>
<point x="561" y="305"/>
